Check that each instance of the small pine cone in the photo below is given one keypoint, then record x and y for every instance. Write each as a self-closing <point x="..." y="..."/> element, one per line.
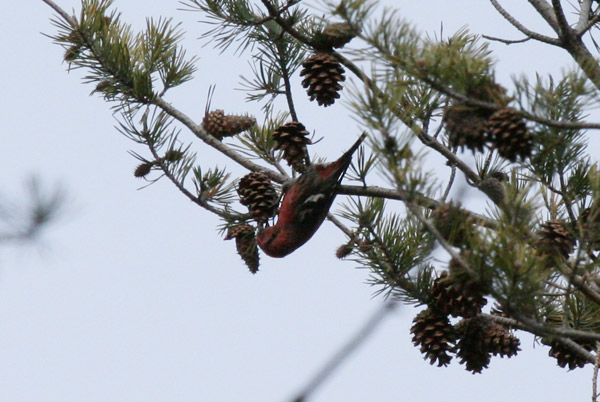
<point x="72" y="53"/>
<point x="473" y="281"/>
<point x="466" y="126"/>
<point x="221" y="125"/>
<point x="435" y="336"/>
<point x="500" y="341"/>
<point x="565" y="356"/>
<point x="498" y="175"/>
<point x="590" y="221"/>
<point x="488" y="91"/>
<point x="292" y="139"/>
<point x="173" y="155"/>
<point x="143" y="169"/>
<point x="456" y="298"/>
<point x="258" y="194"/>
<point x="472" y="344"/>
<point x="245" y="243"/>
<point x="322" y="76"/>
<point x="344" y="251"/>
<point x="338" y="34"/>
<point x="555" y="239"/>
<point x="508" y="134"/>
<point x="453" y="223"/>
<point x="493" y="188"/>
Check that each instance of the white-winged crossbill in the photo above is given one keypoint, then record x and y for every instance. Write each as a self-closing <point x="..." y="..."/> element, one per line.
<point x="305" y="206"/>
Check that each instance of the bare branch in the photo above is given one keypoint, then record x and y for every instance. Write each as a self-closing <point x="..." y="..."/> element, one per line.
<point x="547" y="12"/>
<point x="584" y="15"/>
<point x="342" y="355"/>
<point x="506" y="41"/>
<point x="526" y="31"/>
<point x="566" y="33"/>
<point x="595" y="19"/>
<point x="62" y="13"/>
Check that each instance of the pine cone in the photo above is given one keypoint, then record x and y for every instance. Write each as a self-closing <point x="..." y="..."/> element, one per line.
<point x="258" y="194"/>
<point x="487" y="90"/>
<point x="344" y="250"/>
<point x="555" y="239"/>
<point x="565" y="356"/>
<point x="500" y="341"/>
<point x="245" y="243"/>
<point x="292" y="139"/>
<point x="453" y="223"/>
<point x="472" y="344"/>
<point x="143" y="169"/>
<point x="322" y="76"/>
<point x="508" y="134"/>
<point x="466" y="126"/>
<point x="493" y="188"/>
<point x="590" y="221"/>
<point x="220" y="125"/>
<point x="435" y="335"/>
<point x="338" y="34"/>
<point x="456" y="298"/>
<point x="474" y="281"/>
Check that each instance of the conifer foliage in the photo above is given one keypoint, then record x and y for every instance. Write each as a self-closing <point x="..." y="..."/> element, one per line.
<point x="533" y="252"/>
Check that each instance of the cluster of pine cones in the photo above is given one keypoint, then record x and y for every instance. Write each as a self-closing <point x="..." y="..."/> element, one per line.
<point x="475" y="127"/>
<point x="475" y="338"/>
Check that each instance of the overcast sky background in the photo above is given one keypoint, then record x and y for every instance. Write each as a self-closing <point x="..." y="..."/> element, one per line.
<point x="133" y="296"/>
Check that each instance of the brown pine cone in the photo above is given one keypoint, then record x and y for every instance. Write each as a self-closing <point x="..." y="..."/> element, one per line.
<point x="500" y="341"/>
<point x="509" y="135"/>
<point x="472" y="344"/>
<point x="292" y="139"/>
<point x="143" y="169"/>
<point x="493" y="188"/>
<point x="590" y="221"/>
<point x="435" y="336"/>
<point x="555" y="239"/>
<point x="245" y="243"/>
<point x="322" y="74"/>
<point x="455" y="297"/>
<point x="337" y="34"/>
<point x="565" y="356"/>
<point x="453" y="223"/>
<point x="220" y="125"/>
<point x="258" y="194"/>
<point x="466" y="126"/>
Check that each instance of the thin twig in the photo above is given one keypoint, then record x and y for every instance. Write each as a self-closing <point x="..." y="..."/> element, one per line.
<point x="346" y="351"/>
<point x="506" y="41"/>
<point x="589" y="26"/>
<point x="288" y="86"/>
<point x="529" y="33"/>
<point x="532" y="326"/>
<point x="450" y="183"/>
<point x="595" y="375"/>
<point x="62" y="13"/>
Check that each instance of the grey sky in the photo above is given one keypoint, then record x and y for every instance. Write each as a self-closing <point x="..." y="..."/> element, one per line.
<point x="134" y="296"/>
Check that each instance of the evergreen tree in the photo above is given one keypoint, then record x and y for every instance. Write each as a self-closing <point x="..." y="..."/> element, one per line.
<point x="533" y="256"/>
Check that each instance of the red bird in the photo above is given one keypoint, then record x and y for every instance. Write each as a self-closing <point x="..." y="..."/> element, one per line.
<point x="305" y="206"/>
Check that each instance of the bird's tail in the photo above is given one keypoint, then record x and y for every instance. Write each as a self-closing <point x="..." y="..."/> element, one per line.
<point x="342" y="164"/>
<point x="335" y="171"/>
<point x="353" y="148"/>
